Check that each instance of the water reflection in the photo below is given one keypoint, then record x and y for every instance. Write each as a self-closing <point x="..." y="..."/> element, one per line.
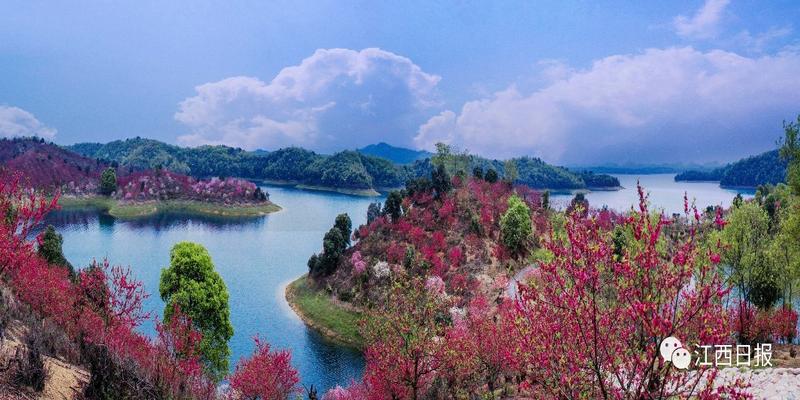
<point x="83" y="217"/>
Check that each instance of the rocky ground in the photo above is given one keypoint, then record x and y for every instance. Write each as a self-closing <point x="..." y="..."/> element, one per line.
<point x="782" y="381"/>
<point x="768" y="383"/>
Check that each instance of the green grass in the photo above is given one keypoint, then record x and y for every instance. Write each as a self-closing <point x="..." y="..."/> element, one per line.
<point x="319" y="311"/>
<point x="135" y="210"/>
<point x="99" y="202"/>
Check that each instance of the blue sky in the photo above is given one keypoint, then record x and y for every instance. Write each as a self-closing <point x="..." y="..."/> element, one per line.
<point x="569" y="81"/>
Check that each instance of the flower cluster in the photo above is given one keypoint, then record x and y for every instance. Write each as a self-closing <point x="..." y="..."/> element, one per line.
<point x="166" y="185"/>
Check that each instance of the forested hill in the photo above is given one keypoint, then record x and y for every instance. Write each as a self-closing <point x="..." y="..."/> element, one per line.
<point x="394" y="154"/>
<point x="343" y="170"/>
<point x="532" y="172"/>
<point x="347" y="169"/>
<point x="47" y="166"/>
<point x="765" y="168"/>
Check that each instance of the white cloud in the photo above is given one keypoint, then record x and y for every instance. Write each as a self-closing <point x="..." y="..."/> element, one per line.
<point x="759" y="42"/>
<point x="15" y="122"/>
<point x="704" y="23"/>
<point x="334" y="99"/>
<point x="663" y="104"/>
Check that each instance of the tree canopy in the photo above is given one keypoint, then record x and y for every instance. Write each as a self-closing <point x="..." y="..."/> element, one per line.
<point x="108" y="181"/>
<point x="515" y="226"/>
<point x="192" y="285"/>
<point x="50" y="248"/>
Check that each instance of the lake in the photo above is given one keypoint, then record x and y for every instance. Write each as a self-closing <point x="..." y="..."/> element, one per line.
<point x="664" y="193"/>
<point x="257" y="258"/>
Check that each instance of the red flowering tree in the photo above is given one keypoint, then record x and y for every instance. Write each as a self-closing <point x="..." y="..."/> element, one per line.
<point x="102" y="309"/>
<point x="266" y="375"/>
<point x="592" y="324"/>
<point x="403" y="355"/>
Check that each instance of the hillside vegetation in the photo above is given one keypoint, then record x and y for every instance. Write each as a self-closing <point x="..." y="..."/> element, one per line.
<point x="356" y="170"/>
<point x="48" y="167"/>
<point x="766" y="168"/>
<point x="130" y="192"/>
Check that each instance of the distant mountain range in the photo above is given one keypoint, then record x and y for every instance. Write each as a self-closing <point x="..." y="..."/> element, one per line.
<point x="397" y="155"/>
<point x="765" y="168"/>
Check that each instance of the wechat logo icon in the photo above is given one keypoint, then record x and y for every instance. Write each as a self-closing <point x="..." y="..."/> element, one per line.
<point x="673" y="351"/>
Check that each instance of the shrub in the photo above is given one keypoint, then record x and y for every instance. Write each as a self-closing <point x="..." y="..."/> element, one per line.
<point x="31" y="370"/>
<point x="50" y="248"/>
<point x="785" y="324"/>
<point x="515" y="226"/>
<point x="491" y="176"/>
<point x="392" y="206"/>
<point x="266" y="375"/>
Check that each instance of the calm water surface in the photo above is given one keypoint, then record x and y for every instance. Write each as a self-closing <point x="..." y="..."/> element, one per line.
<point x="664" y="193"/>
<point x="257" y="258"/>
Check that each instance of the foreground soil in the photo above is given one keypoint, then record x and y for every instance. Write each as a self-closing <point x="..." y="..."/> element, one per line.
<point x="64" y="381"/>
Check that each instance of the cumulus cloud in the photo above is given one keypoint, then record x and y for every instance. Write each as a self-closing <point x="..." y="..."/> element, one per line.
<point x="15" y="122"/>
<point x="704" y="23"/>
<point x="659" y="105"/>
<point x="336" y="98"/>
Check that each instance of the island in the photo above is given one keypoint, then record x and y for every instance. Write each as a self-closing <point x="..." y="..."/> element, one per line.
<point x="81" y="182"/>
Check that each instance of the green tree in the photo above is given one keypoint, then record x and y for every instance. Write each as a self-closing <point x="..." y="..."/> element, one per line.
<point x="440" y="180"/>
<point x="785" y="247"/>
<point x="193" y="285"/>
<point x="51" y="249"/>
<point x="393" y="205"/>
<point x="108" y="182"/>
<point x="790" y="151"/>
<point x="373" y="211"/>
<point x="515" y="226"/>
<point x="333" y="247"/>
<point x="510" y="172"/>
<point x="477" y="172"/>
<point x="745" y="239"/>
<point x="442" y="155"/>
<point x="345" y="226"/>
<point x="546" y="200"/>
<point x="491" y="175"/>
<point x="738" y="200"/>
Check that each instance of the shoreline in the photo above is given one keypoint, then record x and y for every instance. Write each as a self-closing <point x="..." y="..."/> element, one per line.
<point x="128" y="210"/>
<point x="318" y="188"/>
<point x="348" y="339"/>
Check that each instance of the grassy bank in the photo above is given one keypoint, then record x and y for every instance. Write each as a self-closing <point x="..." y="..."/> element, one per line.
<point x="322" y="313"/>
<point x="126" y="210"/>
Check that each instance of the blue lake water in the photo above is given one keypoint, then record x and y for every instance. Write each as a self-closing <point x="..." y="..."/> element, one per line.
<point x="258" y="257"/>
<point x="664" y="194"/>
